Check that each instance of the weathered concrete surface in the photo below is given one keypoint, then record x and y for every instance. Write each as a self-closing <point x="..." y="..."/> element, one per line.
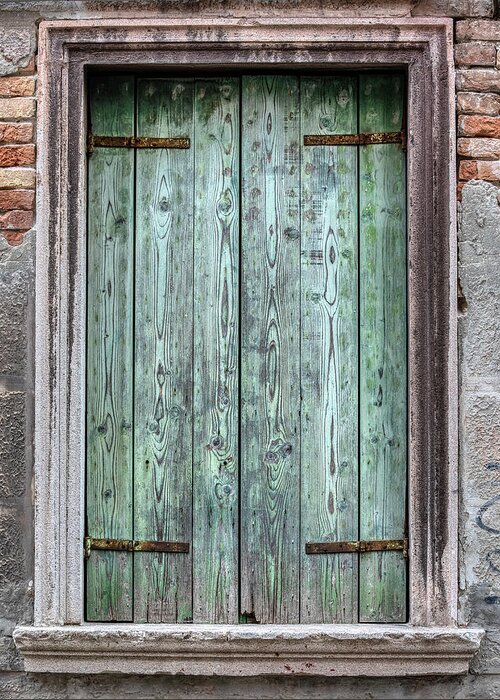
<point x="16" y="429"/>
<point x="129" y="8"/>
<point x="345" y="8"/>
<point x="15" y="292"/>
<point x="29" y="686"/>
<point x="17" y="41"/>
<point x="454" y="8"/>
<point x="479" y="338"/>
<point x="249" y="650"/>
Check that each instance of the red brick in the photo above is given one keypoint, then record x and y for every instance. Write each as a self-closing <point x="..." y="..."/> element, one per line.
<point x="478" y="103"/>
<point x="16" y="133"/>
<point x="17" y="86"/>
<point x="16" y="220"/>
<point x="478" y="79"/>
<point x="29" y="69"/>
<point x="482" y="29"/>
<point x="479" y="170"/>
<point x="17" y="199"/>
<point x="479" y="148"/>
<point x="467" y="170"/>
<point x="16" y="155"/>
<point x="479" y="126"/>
<point x="13" y="237"/>
<point x="475" y="54"/>
<point x="488" y="170"/>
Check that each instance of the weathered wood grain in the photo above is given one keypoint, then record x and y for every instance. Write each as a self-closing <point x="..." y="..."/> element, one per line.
<point x="270" y="350"/>
<point x="306" y="416"/>
<point x="383" y="350"/>
<point x="110" y="350"/>
<point x="163" y="352"/>
<point x="112" y="111"/>
<point x="216" y="313"/>
<point x="329" y="350"/>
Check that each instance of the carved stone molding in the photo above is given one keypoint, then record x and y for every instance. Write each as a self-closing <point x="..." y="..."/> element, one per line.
<point x="249" y="650"/>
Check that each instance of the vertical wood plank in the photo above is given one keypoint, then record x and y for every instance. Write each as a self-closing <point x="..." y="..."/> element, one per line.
<point x="163" y="352"/>
<point x="270" y="350"/>
<point x="109" y="350"/>
<point x="216" y="312"/>
<point x="329" y="351"/>
<point x="383" y="350"/>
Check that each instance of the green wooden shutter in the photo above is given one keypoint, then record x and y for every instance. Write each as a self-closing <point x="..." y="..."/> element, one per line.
<point x="163" y="352"/>
<point x="383" y="352"/>
<point x="329" y="350"/>
<point x="110" y="358"/>
<point x="247" y="360"/>
<point x="216" y="356"/>
<point x="270" y="350"/>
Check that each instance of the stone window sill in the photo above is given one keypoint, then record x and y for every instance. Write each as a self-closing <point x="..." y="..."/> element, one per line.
<point x="249" y="650"/>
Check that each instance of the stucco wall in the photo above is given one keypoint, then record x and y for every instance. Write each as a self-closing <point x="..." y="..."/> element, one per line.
<point x="478" y="300"/>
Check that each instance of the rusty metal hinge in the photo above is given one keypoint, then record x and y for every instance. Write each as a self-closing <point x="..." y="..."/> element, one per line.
<point x="116" y="545"/>
<point x="358" y="546"/>
<point x="355" y="139"/>
<point x="136" y="142"/>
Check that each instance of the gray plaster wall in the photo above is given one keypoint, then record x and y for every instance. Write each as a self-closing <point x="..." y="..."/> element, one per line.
<point x="479" y="344"/>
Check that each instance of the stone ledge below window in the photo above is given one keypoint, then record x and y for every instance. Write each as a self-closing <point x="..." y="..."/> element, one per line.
<point x="249" y="650"/>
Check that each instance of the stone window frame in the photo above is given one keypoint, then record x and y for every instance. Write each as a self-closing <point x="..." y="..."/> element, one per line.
<point x="60" y="640"/>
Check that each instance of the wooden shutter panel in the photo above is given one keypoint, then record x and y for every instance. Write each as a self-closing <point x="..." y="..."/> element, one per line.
<point x="216" y="351"/>
<point x="110" y="350"/>
<point x="383" y="350"/>
<point x="329" y="350"/>
<point x="315" y="360"/>
<point x="270" y="350"/>
<point x="163" y="351"/>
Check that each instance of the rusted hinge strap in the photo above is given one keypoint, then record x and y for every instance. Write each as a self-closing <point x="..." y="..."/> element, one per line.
<point x="115" y="545"/>
<point x="355" y="139"/>
<point x="136" y="142"/>
<point x="358" y="546"/>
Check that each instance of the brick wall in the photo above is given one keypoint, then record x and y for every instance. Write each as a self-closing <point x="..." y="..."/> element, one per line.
<point x="477" y="58"/>
<point x="17" y="154"/>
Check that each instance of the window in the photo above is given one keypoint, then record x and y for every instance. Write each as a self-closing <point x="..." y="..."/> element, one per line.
<point x="246" y="353"/>
<point x="60" y="639"/>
